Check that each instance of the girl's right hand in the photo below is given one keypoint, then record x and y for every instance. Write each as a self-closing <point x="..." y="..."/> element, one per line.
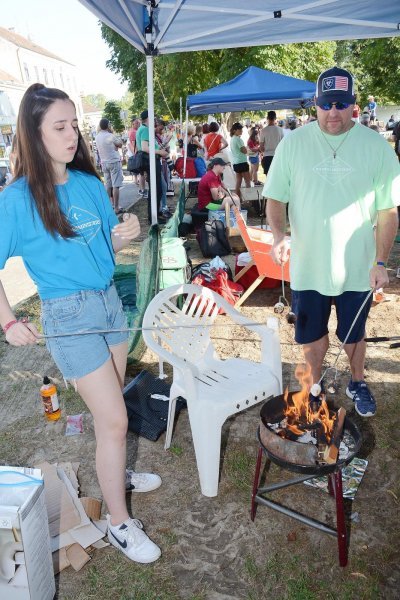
<point x="22" y="334"/>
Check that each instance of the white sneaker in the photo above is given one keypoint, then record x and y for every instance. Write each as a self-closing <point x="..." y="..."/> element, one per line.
<point x="141" y="482"/>
<point x="132" y="541"/>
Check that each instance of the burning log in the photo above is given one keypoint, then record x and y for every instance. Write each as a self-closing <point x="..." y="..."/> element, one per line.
<point x="332" y="451"/>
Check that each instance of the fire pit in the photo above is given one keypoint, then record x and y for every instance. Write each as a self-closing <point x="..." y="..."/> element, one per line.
<point x="283" y="442"/>
<point x="313" y="441"/>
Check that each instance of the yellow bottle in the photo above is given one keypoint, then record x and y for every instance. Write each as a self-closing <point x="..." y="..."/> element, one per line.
<point x="48" y="393"/>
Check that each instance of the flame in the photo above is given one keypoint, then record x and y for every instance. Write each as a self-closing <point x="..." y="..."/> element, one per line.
<point x="299" y="412"/>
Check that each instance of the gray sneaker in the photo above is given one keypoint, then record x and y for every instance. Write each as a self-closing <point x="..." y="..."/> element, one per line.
<point x="132" y="541"/>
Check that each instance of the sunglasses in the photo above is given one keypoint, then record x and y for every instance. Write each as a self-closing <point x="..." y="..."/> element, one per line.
<point x="337" y="105"/>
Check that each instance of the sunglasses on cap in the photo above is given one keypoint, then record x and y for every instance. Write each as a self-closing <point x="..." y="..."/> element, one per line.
<point x="337" y="105"/>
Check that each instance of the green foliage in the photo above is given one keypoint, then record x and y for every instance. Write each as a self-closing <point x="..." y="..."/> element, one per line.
<point x="178" y="75"/>
<point x="97" y="100"/>
<point x="111" y="112"/>
<point x="375" y="64"/>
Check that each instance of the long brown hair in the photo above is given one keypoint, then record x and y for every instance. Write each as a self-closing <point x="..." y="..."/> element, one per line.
<point x="33" y="161"/>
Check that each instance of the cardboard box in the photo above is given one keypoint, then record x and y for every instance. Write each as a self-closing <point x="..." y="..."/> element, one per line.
<point x="23" y="517"/>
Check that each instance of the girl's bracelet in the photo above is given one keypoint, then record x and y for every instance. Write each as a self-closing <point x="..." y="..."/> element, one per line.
<point x="380" y="263"/>
<point x="13" y="322"/>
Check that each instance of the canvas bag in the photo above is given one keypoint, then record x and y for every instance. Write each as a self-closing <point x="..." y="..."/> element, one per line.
<point x="174" y="263"/>
<point x="212" y="239"/>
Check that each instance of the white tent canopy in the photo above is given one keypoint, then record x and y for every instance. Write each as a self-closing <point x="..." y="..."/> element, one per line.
<point x="165" y="26"/>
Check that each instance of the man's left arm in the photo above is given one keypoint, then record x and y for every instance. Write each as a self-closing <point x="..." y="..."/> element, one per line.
<point x="386" y="230"/>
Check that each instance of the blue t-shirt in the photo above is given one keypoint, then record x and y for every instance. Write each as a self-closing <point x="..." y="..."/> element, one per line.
<point x="61" y="267"/>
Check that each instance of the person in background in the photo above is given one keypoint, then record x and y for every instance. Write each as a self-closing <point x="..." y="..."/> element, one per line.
<point x="138" y="179"/>
<point x="356" y="113"/>
<point x="239" y="158"/>
<point x="107" y="145"/>
<point x="159" y="134"/>
<point x="213" y="141"/>
<point x="270" y="137"/>
<point x="372" y="106"/>
<point x="198" y="137"/>
<point x="142" y="144"/>
<point x="253" y="152"/>
<point x="58" y="217"/>
<point x="346" y="183"/>
<point x="212" y="192"/>
<point x="391" y="123"/>
<point x="193" y="144"/>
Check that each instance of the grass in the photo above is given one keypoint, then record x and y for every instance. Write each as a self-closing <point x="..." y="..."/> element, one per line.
<point x="71" y="402"/>
<point x="129" y="581"/>
<point x="239" y="468"/>
<point x="288" y="577"/>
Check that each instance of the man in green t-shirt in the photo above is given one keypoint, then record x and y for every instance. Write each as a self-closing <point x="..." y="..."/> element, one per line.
<point x="143" y="145"/>
<point x="340" y="180"/>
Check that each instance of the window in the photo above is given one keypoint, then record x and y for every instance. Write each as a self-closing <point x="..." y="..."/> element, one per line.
<point x="54" y="78"/>
<point x="37" y="73"/>
<point x="26" y="71"/>
<point x="61" y="79"/>
<point x="46" y="79"/>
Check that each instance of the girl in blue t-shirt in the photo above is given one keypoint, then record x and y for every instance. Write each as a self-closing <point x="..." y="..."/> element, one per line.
<point x="57" y="216"/>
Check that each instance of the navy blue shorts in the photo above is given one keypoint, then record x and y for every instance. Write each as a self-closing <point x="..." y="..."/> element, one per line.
<point x="313" y="310"/>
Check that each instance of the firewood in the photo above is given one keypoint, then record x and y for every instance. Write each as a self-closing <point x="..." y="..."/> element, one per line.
<point x="332" y="451"/>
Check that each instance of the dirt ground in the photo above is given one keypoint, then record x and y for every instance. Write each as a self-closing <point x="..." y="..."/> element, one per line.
<point x="211" y="548"/>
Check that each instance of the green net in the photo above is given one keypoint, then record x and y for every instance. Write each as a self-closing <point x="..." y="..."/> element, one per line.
<point x="138" y="284"/>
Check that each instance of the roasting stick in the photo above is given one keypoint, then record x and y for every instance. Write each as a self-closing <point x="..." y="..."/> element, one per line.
<point x="316" y="387"/>
<point x="160" y="328"/>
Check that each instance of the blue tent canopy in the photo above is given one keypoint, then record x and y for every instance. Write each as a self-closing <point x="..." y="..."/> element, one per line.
<point x="254" y="89"/>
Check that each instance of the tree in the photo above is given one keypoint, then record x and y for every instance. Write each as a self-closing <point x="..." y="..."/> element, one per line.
<point x="375" y="65"/>
<point x="178" y="75"/>
<point x="97" y="100"/>
<point x="112" y="112"/>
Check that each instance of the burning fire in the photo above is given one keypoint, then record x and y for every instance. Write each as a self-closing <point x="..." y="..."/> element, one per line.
<point x="299" y="413"/>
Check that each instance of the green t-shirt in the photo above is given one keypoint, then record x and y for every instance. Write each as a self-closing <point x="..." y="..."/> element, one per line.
<point x="143" y="134"/>
<point x="236" y="144"/>
<point x="333" y="203"/>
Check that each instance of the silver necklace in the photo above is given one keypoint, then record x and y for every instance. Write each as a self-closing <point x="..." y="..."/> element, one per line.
<point x="335" y="150"/>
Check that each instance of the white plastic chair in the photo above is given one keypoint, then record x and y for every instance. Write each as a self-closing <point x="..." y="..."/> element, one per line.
<point x="178" y="329"/>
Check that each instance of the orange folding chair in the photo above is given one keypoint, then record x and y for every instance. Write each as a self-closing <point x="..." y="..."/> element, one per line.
<point x="258" y="243"/>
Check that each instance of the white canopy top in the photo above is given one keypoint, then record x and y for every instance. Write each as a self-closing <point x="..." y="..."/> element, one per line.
<point x="187" y="25"/>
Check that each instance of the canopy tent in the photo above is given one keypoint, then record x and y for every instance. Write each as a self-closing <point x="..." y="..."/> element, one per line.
<point x="167" y="26"/>
<point x="254" y="89"/>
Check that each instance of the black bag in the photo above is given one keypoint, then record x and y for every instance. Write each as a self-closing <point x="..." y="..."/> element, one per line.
<point x="213" y="240"/>
<point x="148" y="416"/>
<point x="139" y="163"/>
<point x="131" y="163"/>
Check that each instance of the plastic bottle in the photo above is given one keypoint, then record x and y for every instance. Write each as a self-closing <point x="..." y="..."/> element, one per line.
<point x="48" y="393"/>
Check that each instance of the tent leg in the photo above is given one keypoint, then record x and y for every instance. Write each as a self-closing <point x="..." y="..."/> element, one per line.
<point x="150" y="101"/>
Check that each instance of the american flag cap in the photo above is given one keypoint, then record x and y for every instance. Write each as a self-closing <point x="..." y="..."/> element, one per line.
<point x="335" y="85"/>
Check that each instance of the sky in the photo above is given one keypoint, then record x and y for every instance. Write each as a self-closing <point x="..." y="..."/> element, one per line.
<point x="72" y="32"/>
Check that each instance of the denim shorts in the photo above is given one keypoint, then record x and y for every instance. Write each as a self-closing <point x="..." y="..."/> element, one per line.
<point x="313" y="310"/>
<point x="254" y="160"/>
<point x="88" y="310"/>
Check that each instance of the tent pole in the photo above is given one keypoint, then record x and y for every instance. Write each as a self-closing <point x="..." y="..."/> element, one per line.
<point x="180" y="116"/>
<point x="185" y="142"/>
<point x="150" y="101"/>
